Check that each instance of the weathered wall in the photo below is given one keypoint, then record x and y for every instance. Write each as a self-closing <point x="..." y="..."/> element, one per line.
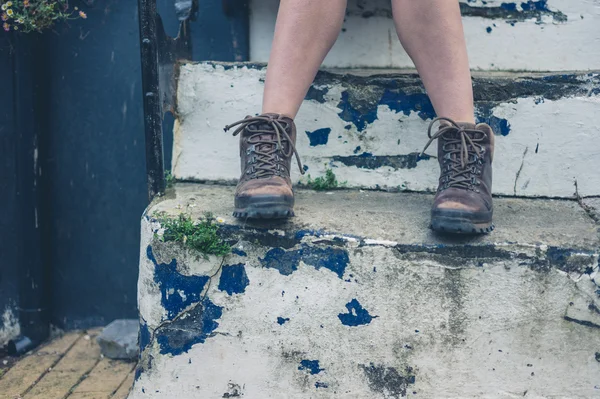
<point x="9" y="211"/>
<point x="370" y="129"/>
<point x="372" y="305"/>
<point x="501" y="34"/>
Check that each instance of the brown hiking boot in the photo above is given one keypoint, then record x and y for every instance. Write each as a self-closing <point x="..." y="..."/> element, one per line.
<point x="463" y="203"/>
<point x="267" y="143"/>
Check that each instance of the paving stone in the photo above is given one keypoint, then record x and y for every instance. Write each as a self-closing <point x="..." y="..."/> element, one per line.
<point x="29" y="369"/>
<point x="119" y="340"/>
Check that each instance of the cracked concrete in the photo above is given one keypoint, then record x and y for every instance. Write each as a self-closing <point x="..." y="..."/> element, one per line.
<point x="494" y="316"/>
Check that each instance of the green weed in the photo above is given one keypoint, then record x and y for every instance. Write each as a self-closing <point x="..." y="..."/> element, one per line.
<point x="201" y="236"/>
<point x="327" y="182"/>
<point x="169" y="179"/>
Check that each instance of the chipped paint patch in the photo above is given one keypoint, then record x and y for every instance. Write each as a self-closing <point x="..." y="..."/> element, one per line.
<point x="312" y="366"/>
<point x="512" y="12"/>
<point x="193" y="327"/>
<point x="356" y="316"/>
<point x="178" y="291"/>
<point x="287" y="262"/>
<point x="234" y="279"/>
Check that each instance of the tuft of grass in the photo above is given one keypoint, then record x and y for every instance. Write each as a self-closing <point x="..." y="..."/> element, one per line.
<point x="169" y="179"/>
<point x="201" y="236"/>
<point x="327" y="182"/>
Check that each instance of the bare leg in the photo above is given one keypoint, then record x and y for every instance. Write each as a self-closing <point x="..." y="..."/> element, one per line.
<point x="432" y="34"/>
<point x="305" y="32"/>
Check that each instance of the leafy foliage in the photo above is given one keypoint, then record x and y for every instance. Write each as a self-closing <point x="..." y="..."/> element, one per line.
<point x="327" y="182"/>
<point x="201" y="236"/>
<point x="36" y="15"/>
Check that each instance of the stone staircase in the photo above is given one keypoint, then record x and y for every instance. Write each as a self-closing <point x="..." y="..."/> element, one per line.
<point x="356" y="297"/>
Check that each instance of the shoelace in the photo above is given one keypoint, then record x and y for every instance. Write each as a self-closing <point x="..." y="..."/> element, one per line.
<point x="462" y="150"/>
<point x="265" y="150"/>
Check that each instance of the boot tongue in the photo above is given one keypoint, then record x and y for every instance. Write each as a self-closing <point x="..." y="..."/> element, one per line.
<point x="267" y="134"/>
<point x="453" y="134"/>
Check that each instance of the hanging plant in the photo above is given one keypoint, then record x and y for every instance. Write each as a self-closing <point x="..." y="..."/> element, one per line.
<point x="36" y="15"/>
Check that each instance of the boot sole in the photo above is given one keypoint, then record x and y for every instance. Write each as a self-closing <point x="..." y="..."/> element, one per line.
<point x="460" y="223"/>
<point x="264" y="207"/>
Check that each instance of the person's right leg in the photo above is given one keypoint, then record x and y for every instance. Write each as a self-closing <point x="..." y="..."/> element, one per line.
<point x="305" y="32"/>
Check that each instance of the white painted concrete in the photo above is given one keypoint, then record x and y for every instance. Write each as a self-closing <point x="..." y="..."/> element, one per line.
<point x="467" y="327"/>
<point x="551" y="144"/>
<point x="10" y="326"/>
<point x="526" y="45"/>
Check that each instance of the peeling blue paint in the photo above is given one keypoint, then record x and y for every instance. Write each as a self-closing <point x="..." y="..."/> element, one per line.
<point x="311" y="366"/>
<point x="350" y="114"/>
<point x="498" y="125"/>
<point x="409" y="103"/>
<point x="234" y="279"/>
<point x="319" y="384"/>
<point x="177" y="291"/>
<point x="281" y="321"/>
<point x="144" y="336"/>
<point x="317" y="95"/>
<point x="199" y="324"/>
<point x="514" y="12"/>
<point x="238" y="252"/>
<point x="396" y="100"/>
<point x="366" y="160"/>
<point x="319" y="136"/>
<point x="356" y="315"/>
<point x="286" y="262"/>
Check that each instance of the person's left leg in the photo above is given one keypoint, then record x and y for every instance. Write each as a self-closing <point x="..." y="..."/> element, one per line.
<point x="432" y="34"/>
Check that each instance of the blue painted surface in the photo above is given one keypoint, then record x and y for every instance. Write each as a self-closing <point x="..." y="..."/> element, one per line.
<point x="300" y="234"/>
<point x="281" y="321"/>
<point x="319" y="384"/>
<point x="167" y="278"/>
<point x="179" y="336"/>
<point x="485" y="115"/>
<point x="395" y="100"/>
<point x="350" y="114"/>
<point x="234" y="279"/>
<point x="317" y="95"/>
<point x="238" y="252"/>
<point x="144" y="336"/>
<point x="286" y="262"/>
<point x="319" y="136"/>
<point x="540" y="5"/>
<point x="312" y="366"/>
<point x="356" y="315"/>
<point x="401" y="102"/>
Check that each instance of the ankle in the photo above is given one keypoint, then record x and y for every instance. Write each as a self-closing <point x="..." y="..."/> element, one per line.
<point x="465" y="118"/>
<point x="276" y="111"/>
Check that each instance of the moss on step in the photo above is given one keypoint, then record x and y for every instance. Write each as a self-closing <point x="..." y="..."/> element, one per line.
<point x="322" y="183"/>
<point x="169" y="179"/>
<point x="201" y="236"/>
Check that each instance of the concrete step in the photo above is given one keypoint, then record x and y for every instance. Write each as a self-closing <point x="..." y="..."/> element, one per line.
<point x="369" y="127"/>
<point x="548" y="35"/>
<point x="356" y="298"/>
